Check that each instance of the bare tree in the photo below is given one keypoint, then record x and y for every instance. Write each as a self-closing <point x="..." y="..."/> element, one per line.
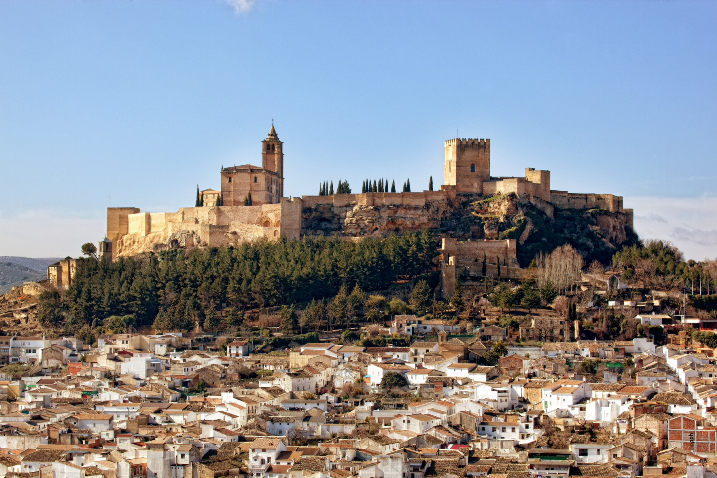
<point x="562" y="268"/>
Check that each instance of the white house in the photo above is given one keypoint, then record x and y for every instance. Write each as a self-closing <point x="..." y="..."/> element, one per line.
<point x="239" y="348"/>
<point x="591" y="452"/>
<point x="97" y="422"/>
<point x="564" y="393"/>
<point x="263" y="453"/>
<point x="496" y="396"/>
<point x="418" y="422"/>
<point x="376" y="371"/>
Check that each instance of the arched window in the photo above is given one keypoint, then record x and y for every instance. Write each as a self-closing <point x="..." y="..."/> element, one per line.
<point x="273" y="148"/>
<point x="473" y="168"/>
<point x="254" y="178"/>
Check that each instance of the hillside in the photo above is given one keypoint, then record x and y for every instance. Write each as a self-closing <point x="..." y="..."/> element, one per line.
<point x="38" y="264"/>
<point x="12" y="274"/>
<point x="596" y="233"/>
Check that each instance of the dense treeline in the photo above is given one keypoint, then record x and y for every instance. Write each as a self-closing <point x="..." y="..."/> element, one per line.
<point x="190" y="286"/>
<point x="660" y="264"/>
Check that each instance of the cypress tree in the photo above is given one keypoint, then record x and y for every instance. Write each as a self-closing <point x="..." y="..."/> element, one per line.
<point x="393" y="186"/>
<point x="321" y="189"/>
<point x="484" y="268"/>
<point x="363" y="187"/>
<point x="408" y="185"/>
<point x="198" y="203"/>
<point x="430" y="184"/>
<point x="404" y="188"/>
<point x="497" y="263"/>
<point x="380" y="185"/>
<point x="331" y="189"/>
<point x="375" y="186"/>
<point x="338" y="187"/>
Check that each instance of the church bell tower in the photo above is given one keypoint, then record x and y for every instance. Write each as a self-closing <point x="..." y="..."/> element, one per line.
<point x="272" y="158"/>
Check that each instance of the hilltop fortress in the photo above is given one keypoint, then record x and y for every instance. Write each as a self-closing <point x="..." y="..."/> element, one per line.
<point x="467" y="194"/>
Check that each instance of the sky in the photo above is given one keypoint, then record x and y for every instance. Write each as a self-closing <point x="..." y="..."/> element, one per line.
<point x="135" y="103"/>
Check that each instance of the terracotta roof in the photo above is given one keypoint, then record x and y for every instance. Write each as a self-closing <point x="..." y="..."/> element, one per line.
<point x="266" y="443"/>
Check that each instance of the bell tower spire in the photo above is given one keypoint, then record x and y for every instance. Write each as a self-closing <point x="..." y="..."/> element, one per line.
<point x="272" y="159"/>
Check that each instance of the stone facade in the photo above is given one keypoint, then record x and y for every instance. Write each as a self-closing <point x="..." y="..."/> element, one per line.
<point x="61" y="274"/>
<point x="265" y="184"/>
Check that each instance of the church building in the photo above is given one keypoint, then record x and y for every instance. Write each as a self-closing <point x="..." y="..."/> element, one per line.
<point x="254" y="185"/>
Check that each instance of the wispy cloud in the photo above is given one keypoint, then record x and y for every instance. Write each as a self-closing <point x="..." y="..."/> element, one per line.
<point x="698" y="236"/>
<point x="651" y="217"/>
<point x="241" y="6"/>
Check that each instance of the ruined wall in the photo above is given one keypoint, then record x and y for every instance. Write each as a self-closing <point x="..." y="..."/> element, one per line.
<point x="566" y="200"/>
<point x="117" y="223"/>
<point x="207" y="226"/>
<point x="465" y="258"/>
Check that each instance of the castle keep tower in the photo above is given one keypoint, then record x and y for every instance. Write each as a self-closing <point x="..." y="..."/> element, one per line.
<point x="467" y="164"/>
<point x="265" y="184"/>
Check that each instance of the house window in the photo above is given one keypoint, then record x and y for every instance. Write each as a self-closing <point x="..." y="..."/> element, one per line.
<point x="583" y="452"/>
<point x="254" y="178"/>
<point x="230" y="179"/>
<point x="473" y="168"/>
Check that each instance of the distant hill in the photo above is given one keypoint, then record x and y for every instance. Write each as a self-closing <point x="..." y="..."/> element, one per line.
<point x="37" y="264"/>
<point x="12" y="274"/>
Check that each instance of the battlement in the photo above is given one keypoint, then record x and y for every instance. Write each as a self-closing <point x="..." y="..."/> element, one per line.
<point x="469" y="142"/>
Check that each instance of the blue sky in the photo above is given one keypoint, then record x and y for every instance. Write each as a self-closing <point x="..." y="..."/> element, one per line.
<point x="134" y="103"/>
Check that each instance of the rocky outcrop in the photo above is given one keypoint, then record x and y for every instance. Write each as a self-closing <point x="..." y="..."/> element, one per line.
<point x="596" y="233"/>
<point x="359" y="220"/>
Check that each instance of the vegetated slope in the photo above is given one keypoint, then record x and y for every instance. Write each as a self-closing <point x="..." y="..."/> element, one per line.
<point x="596" y="233"/>
<point x="187" y="286"/>
<point x="12" y="274"/>
<point x="38" y="264"/>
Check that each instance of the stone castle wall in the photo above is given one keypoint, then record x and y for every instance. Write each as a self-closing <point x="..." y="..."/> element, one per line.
<point x="215" y="226"/>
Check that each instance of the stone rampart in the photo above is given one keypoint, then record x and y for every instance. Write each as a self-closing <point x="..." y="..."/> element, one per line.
<point x="416" y="199"/>
<point x="566" y="200"/>
<point x="204" y="226"/>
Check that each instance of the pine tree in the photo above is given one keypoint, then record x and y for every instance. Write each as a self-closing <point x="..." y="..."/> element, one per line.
<point x="198" y="202"/>
<point x="430" y="183"/>
<point x="393" y="186"/>
<point x="331" y="189"/>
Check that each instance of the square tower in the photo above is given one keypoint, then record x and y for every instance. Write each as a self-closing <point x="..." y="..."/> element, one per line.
<point x="467" y="164"/>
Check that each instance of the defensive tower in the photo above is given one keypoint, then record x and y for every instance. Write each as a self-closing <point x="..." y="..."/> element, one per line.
<point x="467" y="164"/>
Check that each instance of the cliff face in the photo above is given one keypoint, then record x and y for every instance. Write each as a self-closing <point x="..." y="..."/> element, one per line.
<point x="595" y="233"/>
<point x="360" y="220"/>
